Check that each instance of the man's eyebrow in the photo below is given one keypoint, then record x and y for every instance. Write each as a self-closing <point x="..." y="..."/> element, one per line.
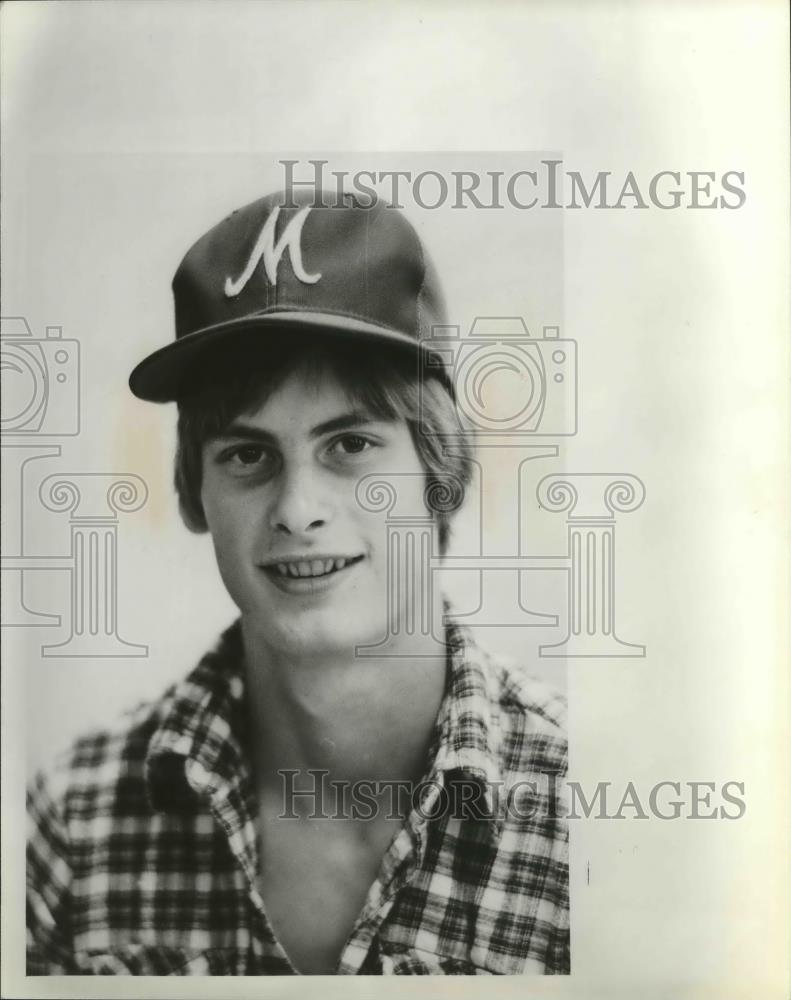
<point x="345" y="421"/>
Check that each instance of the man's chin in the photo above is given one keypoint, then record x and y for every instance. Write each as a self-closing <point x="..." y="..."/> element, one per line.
<point x="339" y="634"/>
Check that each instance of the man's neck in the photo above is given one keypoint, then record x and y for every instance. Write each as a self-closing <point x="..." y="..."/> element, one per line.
<point x="358" y="718"/>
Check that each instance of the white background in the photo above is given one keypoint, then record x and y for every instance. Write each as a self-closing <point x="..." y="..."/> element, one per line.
<point x="129" y="129"/>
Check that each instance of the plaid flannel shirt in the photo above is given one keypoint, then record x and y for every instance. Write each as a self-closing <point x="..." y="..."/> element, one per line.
<point x="142" y="857"/>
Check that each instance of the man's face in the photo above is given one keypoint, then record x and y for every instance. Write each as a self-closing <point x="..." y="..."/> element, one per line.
<point x="304" y="562"/>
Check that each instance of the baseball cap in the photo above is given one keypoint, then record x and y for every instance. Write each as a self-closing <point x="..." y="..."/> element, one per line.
<point x="303" y="265"/>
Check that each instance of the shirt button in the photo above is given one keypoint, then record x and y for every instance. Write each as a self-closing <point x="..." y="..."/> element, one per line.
<point x="198" y="773"/>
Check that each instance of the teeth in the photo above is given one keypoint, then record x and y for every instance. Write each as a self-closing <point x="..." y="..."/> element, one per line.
<point x="314" y="567"/>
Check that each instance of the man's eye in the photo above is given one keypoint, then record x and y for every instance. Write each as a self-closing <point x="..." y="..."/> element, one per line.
<point x="248" y="457"/>
<point x="249" y="454"/>
<point x="351" y="444"/>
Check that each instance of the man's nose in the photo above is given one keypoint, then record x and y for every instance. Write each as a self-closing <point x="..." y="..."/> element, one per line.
<point x="301" y="503"/>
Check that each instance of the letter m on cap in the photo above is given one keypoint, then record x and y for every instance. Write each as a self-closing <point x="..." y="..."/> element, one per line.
<point x="272" y="253"/>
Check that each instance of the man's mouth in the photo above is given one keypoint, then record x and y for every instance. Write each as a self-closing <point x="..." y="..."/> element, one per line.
<point x="298" y="569"/>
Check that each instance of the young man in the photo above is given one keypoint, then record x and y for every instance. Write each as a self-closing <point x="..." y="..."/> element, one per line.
<point x="198" y="837"/>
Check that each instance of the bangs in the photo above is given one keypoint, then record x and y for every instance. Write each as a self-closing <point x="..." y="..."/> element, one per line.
<point x="382" y="384"/>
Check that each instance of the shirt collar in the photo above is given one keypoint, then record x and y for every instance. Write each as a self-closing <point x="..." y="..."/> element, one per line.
<point x="467" y="735"/>
<point x="200" y="741"/>
<point x="200" y="744"/>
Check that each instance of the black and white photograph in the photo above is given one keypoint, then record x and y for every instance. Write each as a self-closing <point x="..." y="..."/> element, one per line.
<point x="395" y="491"/>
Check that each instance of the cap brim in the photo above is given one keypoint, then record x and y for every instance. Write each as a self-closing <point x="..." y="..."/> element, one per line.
<point x="176" y="370"/>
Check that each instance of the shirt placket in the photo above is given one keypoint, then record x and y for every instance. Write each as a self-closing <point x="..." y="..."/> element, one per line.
<point x="399" y="864"/>
<point x="231" y="809"/>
